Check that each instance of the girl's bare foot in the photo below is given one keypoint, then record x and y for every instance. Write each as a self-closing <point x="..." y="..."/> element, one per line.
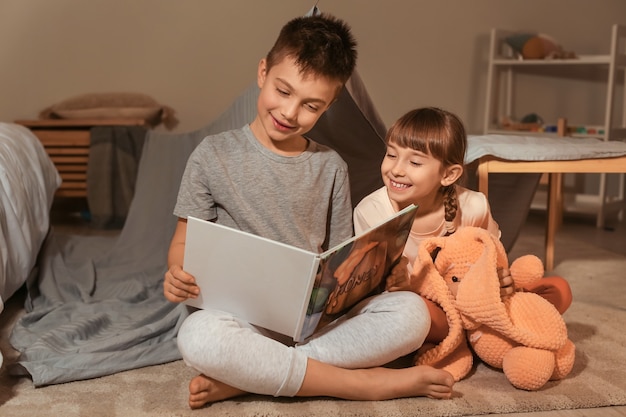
<point x="204" y="390"/>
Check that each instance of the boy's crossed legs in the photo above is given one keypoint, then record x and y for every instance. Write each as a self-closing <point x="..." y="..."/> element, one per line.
<point x="355" y="384"/>
<point x="343" y="360"/>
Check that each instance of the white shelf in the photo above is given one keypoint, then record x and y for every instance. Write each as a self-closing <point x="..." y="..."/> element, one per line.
<point x="543" y="134"/>
<point x="503" y="63"/>
<point x="600" y="60"/>
<point x="581" y="60"/>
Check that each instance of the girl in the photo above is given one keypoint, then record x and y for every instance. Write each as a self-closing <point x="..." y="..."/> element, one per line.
<point x="423" y="165"/>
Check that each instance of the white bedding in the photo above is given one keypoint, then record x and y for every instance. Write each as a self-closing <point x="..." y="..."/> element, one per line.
<point x="28" y="180"/>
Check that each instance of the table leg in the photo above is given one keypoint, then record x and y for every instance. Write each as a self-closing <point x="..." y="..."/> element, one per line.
<point x="483" y="178"/>
<point x="555" y="208"/>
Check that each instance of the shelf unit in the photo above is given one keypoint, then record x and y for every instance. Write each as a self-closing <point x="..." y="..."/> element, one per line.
<point x="502" y="67"/>
<point x="67" y="143"/>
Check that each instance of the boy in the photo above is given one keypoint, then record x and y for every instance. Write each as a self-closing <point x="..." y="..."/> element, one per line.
<point x="267" y="178"/>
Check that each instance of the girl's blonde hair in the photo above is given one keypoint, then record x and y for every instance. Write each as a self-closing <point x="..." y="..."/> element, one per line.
<point x="440" y="134"/>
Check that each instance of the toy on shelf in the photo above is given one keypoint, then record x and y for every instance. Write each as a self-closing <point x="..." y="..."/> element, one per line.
<point x="537" y="46"/>
<point x="534" y="123"/>
<point x="531" y="122"/>
<point x="575" y="130"/>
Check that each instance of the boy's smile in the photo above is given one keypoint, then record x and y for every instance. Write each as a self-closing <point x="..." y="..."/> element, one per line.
<point x="282" y="126"/>
<point x="289" y="105"/>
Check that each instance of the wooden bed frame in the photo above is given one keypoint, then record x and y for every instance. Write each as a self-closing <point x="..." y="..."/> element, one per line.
<point x="555" y="170"/>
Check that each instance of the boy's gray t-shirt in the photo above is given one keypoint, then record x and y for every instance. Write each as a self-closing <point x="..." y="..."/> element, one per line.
<point x="302" y="200"/>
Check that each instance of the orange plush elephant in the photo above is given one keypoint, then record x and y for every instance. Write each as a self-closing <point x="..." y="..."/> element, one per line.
<point x="522" y="333"/>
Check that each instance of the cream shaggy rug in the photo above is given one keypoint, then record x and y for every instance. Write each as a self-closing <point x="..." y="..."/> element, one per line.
<point x="595" y="322"/>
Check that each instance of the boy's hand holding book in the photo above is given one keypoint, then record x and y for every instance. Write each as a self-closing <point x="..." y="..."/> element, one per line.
<point x="179" y="285"/>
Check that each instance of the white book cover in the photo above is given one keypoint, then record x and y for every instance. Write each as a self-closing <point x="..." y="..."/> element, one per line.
<point x="284" y="288"/>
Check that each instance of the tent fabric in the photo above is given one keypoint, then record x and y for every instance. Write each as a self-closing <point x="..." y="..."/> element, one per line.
<point x="357" y="134"/>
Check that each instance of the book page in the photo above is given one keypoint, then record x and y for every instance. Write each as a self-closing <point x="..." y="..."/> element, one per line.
<point x="357" y="270"/>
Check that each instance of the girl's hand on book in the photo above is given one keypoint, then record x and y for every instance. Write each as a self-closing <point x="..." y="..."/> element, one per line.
<point x="179" y="285"/>
<point x="398" y="279"/>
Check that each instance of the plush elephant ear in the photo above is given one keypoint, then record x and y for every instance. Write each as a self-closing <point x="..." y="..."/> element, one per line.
<point x="478" y="295"/>
<point x="452" y="352"/>
<point x="425" y="278"/>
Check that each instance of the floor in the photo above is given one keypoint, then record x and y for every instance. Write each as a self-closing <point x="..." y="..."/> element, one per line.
<point x="612" y="237"/>
<point x="71" y="216"/>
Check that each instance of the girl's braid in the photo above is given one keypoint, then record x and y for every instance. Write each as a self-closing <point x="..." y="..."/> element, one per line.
<point x="450" y="206"/>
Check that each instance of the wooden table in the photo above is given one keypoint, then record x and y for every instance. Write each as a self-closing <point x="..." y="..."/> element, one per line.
<point x="555" y="169"/>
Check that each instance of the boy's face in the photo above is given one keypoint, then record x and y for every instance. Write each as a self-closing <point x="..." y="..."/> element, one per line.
<point x="289" y="105"/>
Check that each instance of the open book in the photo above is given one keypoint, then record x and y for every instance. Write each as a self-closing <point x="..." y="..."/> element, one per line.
<point x="284" y="288"/>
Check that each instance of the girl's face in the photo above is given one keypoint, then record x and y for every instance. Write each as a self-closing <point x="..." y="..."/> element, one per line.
<point x="411" y="177"/>
<point x="289" y="105"/>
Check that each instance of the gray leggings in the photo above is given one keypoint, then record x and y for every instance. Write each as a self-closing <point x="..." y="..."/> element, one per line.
<point x="373" y="333"/>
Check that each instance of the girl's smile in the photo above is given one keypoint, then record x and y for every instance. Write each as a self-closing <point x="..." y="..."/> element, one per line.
<point x="398" y="185"/>
<point x="411" y="177"/>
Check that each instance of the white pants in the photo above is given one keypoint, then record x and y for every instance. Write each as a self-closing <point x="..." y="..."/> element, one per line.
<point x="375" y="332"/>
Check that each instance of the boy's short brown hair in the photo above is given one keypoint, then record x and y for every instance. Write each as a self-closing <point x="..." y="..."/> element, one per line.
<point x="321" y="44"/>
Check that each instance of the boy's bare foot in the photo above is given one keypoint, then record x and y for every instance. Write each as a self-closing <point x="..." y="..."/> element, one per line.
<point x="414" y="381"/>
<point x="204" y="390"/>
<point x="376" y="383"/>
<point x="433" y="383"/>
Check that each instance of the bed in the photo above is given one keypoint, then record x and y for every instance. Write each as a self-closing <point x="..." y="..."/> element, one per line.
<point x="28" y="180"/>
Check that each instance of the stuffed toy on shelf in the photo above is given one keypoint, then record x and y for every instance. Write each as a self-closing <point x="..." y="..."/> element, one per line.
<point x="537" y="46"/>
<point x="522" y="333"/>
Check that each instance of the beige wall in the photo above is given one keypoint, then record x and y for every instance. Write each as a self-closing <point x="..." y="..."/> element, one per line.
<point x="198" y="55"/>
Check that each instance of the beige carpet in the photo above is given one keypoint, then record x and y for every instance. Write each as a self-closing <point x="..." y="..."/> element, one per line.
<point x="595" y="321"/>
